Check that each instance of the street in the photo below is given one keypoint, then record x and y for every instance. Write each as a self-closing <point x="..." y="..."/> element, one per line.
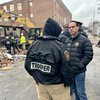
<point x="16" y="84"/>
<point x="93" y="74"/>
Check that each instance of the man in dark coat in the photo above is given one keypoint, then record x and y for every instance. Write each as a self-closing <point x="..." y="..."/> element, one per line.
<point x="47" y="63"/>
<point x="81" y="53"/>
<point x="63" y="36"/>
<point x="14" y="45"/>
<point x="8" y="43"/>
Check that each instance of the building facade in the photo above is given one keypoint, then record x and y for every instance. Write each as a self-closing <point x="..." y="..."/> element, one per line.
<point x="38" y="11"/>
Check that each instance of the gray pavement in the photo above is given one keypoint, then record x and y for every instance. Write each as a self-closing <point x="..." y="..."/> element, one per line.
<point x="16" y="84"/>
<point x="92" y="78"/>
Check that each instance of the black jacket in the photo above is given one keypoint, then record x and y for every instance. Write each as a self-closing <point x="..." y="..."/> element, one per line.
<point x="81" y="52"/>
<point x="45" y="59"/>
<point x="8" y="43"/>
<point x="63" y="37"/>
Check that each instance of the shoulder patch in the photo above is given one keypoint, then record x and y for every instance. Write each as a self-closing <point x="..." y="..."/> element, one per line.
<point x="77" y="44"/>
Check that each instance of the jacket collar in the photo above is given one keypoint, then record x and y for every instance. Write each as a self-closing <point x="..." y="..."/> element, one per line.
<point x="47" y="37"/>
<point x="76" y="36"/>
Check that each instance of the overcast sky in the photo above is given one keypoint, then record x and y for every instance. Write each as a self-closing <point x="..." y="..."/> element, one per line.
<point x="82" y="10"/>
<point x="2" y="1"/>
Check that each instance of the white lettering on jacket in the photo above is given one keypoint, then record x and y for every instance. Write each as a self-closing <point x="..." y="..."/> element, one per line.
<point x="42" y="67"/>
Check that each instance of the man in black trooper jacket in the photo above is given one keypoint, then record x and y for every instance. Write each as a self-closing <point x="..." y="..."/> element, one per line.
<point x="47" y="63"/>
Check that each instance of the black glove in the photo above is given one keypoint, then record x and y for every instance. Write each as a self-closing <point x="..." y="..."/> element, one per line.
<point x="68" y="83"/>
<point x="68" y="80"/>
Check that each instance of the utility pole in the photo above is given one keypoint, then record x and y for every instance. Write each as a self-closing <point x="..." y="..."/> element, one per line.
<point x="93" y="18"/>
<point x="98" y="9"/>
<point x="98" y="17"/>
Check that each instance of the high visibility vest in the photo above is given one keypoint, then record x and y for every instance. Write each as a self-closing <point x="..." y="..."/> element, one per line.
<point x="23" y="40"/>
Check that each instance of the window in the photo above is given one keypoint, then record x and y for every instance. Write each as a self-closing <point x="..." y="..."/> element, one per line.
<point x="12" y="7"/>
<point x="31" y="3"/>
<point x="19" y="6"/>
<point x="5" y="7"/>
<point x="53" y="0"/>
<point x="20" y="14"/>
<point x="57" y="5"/>
<point x="65" y="20"/>
<point x="31" y="15"/>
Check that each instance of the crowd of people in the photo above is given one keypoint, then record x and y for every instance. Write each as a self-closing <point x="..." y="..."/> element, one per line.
<point x="12" y="44"/>
<point x="57" y="60"/>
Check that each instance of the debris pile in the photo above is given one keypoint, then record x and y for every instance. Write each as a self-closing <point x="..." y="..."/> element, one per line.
<point x="5" y="59"/>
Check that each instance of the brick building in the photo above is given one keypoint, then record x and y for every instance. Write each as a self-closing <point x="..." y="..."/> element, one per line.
<point x="38" y="10"/>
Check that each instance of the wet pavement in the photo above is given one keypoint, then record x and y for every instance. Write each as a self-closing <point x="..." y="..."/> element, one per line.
<point x="16" y="84"/>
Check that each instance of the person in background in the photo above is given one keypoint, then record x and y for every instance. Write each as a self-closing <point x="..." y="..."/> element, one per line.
<point x="63" y="37"/>
<point x="81" y="53"/>
<point x="47" y="62"/>
<point x="14" y="45"/>
<point x="8" y="43"/>
<point x="82" y="32"/>
<point x="23" y="41"/>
